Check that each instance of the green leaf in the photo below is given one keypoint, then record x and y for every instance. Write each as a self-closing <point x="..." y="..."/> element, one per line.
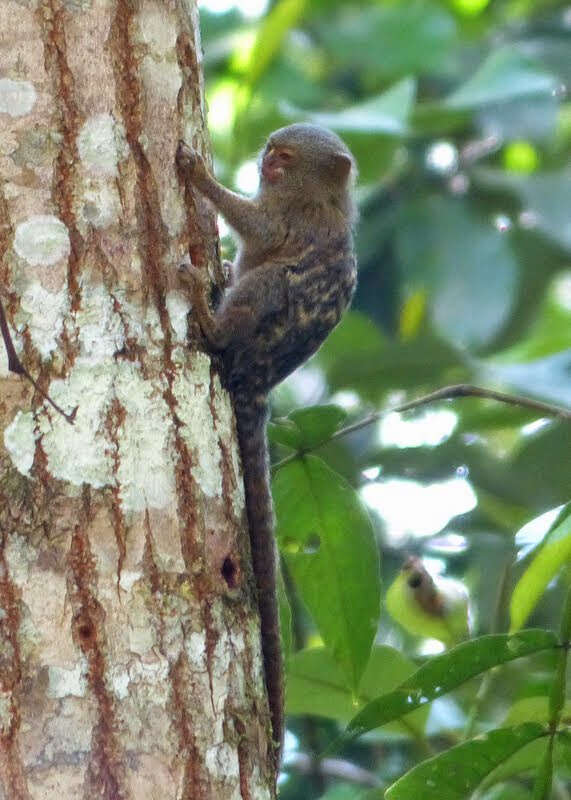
<point x="458" y="772"/>
<point x="317" y="424"/>
<point x="507" y="791"/>
<point x="436" y="119"/>
<point x="316" y="685"/>
<point x="270" y="35"/>
<point x="445" y="672"/>
<point x="386" y="113"/>
<point x="284" y="431"/>
<point x="505" y="75"/>
<point x="328" y="541"/>
<point x="431" y="242"/>
<point x="533" y="709"/>
<point x="307" y="428"/>
<point x="522" y="762"/>
<point x="553" y="553"/>
<point x="543" y="781"/>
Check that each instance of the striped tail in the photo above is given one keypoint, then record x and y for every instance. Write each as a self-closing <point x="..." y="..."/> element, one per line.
<point x="251" y="417"/>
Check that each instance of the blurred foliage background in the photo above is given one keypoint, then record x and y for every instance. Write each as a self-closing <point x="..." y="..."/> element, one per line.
<point x="459" y="116"/>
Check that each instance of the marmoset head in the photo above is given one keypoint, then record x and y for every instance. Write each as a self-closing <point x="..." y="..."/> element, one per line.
<point x="308" y="161"/>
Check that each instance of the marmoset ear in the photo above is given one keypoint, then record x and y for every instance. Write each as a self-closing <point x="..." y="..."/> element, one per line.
<point x="342" y="164"/>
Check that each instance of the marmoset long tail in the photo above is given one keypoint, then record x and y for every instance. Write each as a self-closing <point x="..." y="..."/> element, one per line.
<point x="251" y="419"/>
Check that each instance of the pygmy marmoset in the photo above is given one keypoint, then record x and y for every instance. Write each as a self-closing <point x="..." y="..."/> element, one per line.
<point x="293" y="277"/>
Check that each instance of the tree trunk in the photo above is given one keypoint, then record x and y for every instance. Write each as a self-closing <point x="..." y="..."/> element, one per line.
<point x="130" y="662"/>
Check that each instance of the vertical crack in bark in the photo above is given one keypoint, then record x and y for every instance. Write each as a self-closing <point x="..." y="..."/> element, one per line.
<point x="244" y="766"/>
<point x="211" y="640"/>
<point x="251" y="748"/>
<point x="179" y="682"/>
<point x="149" y="563"/>
<point x="245" y="750"/>
<point x="105" y="773"/>
<point x="151" y="234"/>
<point x="194" y="781"/>
<point x="40" y="468"/>
<point x="52" y="19"/>
<point x="156" y="584"/>
<point x="200" y="218"/>
<point x="190" y="546"/>
<point x="191" y="90"/>
<point x="114" y="419"/>
<point x="193" y="558"/>
<point x="226" y="468"/>
<point x="6" y="237"/>
<point x="186" y="492"/>
<point x="227" y="483"/>
<point x="132" y="349"/>
<point x="12" y="776"/>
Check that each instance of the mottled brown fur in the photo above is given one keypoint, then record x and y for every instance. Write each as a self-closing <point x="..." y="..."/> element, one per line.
<point x="294" y="275"/>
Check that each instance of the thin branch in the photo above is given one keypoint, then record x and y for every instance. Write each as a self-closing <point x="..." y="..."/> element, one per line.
<point x="468" y="390"/>
<point x="14" y="363"/>
<point x="445" y="393"/>
<point x="16" y="366"/>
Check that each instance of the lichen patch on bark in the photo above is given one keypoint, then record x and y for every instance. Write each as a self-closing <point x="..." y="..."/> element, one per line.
<point x="137" y="455"/>
<point x="102" y="145"/>
<point x="41" y="313"/>
<point x="42" y="239"/>
<point x="17" y="98"/>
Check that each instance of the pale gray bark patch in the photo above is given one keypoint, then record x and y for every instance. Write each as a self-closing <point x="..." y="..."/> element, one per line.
<point x="17" y="98"/>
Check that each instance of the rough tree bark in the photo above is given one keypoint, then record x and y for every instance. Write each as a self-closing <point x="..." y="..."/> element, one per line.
<point x="130" y="662"/>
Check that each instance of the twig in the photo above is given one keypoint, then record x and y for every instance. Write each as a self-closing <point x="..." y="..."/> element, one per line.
<point x="14" y="363"/>
<point x="446" y="393"/>
<point x="468" y="390"/>
<point x="16" y="366"/>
